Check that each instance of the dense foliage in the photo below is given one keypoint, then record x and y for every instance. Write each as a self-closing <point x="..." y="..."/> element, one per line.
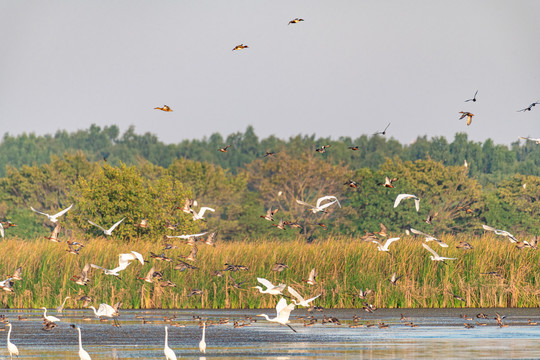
<point x="109" y="176"/>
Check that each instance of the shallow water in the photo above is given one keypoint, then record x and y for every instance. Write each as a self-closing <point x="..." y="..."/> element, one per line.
<point x="440" y="334"/>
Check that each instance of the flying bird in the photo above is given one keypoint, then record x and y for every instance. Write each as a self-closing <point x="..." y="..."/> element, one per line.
<point x="295" y="21"/>
<point x="382" y="132"/>
<point x="394" y="278"/>
<point x="321" y="207"/>
<point x="240" y="47"/>
<point x="386" y="245"/>
<point x="224" y="149"/>
<point x="322" y="149"/>
<point x="537" y="140"/>
<point x="283" y="312"/>
<point x="270" y="288"/>
<point x="83" y="278"/>
<point x="301" y="301"/>
<point x="279" y="267"/>
<point x="200" y="214"/>
<point x="311" y="278"/>
<point x="269" y="214"/>
<point x="106" y="310"/>
<point x="435" y="256"/>
<point x="428" y="237"/>
<point x="53" y="218"/>
<point x="501" y="232"/>
<point x="54" y="235"/>
<point x="185" y="237"/>
<point x="408" y="196"/>
<point x="474" y="97"/>
<point x="164" y="108"/>
<point x="388" y="182"/>
<point x="529" y="108"/>
<point x="123" y="262"/>
<point x="468" y="115"/>
<point x="107" y="232"/>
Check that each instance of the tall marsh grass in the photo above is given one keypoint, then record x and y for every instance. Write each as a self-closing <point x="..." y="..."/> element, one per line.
<point x="345" y="265"/>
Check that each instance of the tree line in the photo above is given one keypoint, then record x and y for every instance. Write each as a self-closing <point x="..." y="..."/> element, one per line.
<point x="247" y="183"/>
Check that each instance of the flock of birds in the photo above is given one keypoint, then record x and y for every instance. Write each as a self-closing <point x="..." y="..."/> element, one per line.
<point x="283" y="307"/>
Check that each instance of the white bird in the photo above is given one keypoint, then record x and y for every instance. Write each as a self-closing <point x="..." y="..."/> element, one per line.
<point x="301" y="301"/>
<point x="435" y="256"/>
<point x="531" y="139"/>
<point x="123" y="262"/>
<point x="50" y="317"/>
<point x="12" y="348"/>
<point x="408" y="196"/>
<point x="283" y="312"/>
<point x="53" y="218"/>
<point x="187" y="236"/>
<point x="106" y="310"/>
<point x="320" y="207"/>
<point x="105" y="231"/>
<point x="501" y="232"/>
<point x="386" y="245"/>
<point x="1" y="229"/>
<point x="429" y="237"/>
<point x="200" y="214"/>
<point x="270" y="288"/>
<point x="61" y="307"/>
<point x="83" y="355"/>
<point x="202" y="344"/>
<point x="169" y="353"/>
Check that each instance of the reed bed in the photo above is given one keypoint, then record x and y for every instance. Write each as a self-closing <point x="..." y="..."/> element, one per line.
<point x="345" y="265"/>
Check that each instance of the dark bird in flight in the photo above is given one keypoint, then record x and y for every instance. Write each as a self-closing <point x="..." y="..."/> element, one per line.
<point x="322" y="149"/>
<point x="384" y="131"/>
<point x="224" y="149"/>
<point x="354" y="148"/>
<point x="295" y="21"/>
<point x="529" y="108"/>
<point x="474" y="97"/>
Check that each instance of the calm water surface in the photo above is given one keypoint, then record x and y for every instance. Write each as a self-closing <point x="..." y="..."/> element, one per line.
<point x="440" y="334"/>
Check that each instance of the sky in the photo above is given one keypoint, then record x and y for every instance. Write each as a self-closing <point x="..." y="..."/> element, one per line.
<point x="349" y="69"/>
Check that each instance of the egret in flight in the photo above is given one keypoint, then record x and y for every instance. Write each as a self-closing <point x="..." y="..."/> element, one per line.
<point x="105" y="231"/>
<point x="386" y="245"/>
<point x="321" y="207"/>
<point x="200" y="214"/>
<point x="283" y="312"/>
<point x="53" y="218"/>
<point x="301" y="301"/>
<point x="270" y="288"/>
<point x="408" y="196"/>
<point x="429" y="237"/>
<point x="435" y="256"/>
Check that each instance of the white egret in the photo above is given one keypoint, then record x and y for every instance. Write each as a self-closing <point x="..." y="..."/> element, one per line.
<point x="50" y="317"/>
<point x="283" y="312"/>
<point x="301" y="301"/>
<point x="429" y="237"/>
<point x="123" y="262"/>
<point x="169" y="353"/>
<point x="501" y="232"/>
<point x="386" y="245"/>
<point x="106" y="310"/>
<point x="270" y="288"/>
<point x="531" y="139"/>
<point x="200" y="214"/>
<point x="321" y="207"/>
<point x="53" y="218"/>
<point x="83" y="355"/>
<point x="436" y="256"/>
<point x="202" y="344"/>
<point x="105" y="231"/>
<point x="61" y="307"/>
<point x="12" y="348"/>
<point x="408" y="196"/>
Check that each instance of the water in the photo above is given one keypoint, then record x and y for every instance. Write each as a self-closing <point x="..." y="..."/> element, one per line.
<point x="440" y="334"/>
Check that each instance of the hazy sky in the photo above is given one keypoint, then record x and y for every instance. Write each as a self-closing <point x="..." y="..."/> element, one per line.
<point x="348" y="69"/>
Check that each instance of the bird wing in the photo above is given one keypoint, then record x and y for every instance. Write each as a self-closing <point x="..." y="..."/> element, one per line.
<point x="489" y="228"/>
<point x="84" y="272"/>
<point x="62" y="212"/>
<point x="203" y="210"/>
<point x="286" y="311"/>
<point x="417" y="204"/>
<point x="17" y="273"/>
<point x="295" y="294"/>
<point x="401" y="197"/>
<point x="138" y="257"/>
<point x="418" y="232"/>
<point x="282" y="304"/>
<point x="389" y="241"/>
<point x="377" y="242"/>
<point x="265" y="282"/>
<point x="324" y="198"/>
<point x="115" y="225"/>
<point x="1" y="229"/>
<point x="187" y="236"/>
<point x="430" y="250"/>
<point x="39" y="212"/>
<point x="93" y="223"/>
<point x="304" y="203"/>
<point x="313" y="298"/>
<point x="98" y="267"/>
<point x="313" y="274"/>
